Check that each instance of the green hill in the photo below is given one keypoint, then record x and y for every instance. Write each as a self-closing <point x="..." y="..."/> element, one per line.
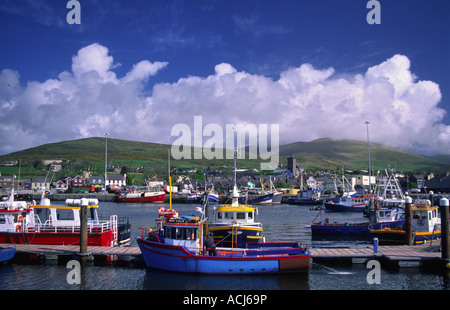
<point x="317" y="154"/>
<point x="350" y="154"/>
<point x="120" y="153"/>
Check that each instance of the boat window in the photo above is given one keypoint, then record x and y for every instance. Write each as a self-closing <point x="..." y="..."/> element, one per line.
<point x="385" y="213"/>
<point x="250" y="215"/>
<point x="64" y="214"/>
<point x="177" y="233"/>
<point x="167" y="233"/>
<point x="219" y="215"/>
<point x="2" y="219"/>
<point x="229" y="215"/>
<point x="240" y="215"/>
<point x="190" y="233"/>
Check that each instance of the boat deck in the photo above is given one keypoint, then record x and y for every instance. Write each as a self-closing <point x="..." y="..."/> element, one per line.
<point x="401" y="254"/>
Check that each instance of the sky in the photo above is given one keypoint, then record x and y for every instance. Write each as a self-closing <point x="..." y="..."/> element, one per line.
<point x="136" y="69"/>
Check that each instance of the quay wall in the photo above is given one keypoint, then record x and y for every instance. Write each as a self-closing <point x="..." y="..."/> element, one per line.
<point x="63" y="197"/>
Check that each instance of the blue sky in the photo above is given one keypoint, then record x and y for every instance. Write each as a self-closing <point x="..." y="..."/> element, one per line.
<point x="316" y="68"/>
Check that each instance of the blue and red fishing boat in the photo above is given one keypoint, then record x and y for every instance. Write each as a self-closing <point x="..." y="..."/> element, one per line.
<point x="181" y="244"/>
<point x="186" y="244"/>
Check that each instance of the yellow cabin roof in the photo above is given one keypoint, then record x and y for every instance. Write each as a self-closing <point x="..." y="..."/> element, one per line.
<point x="423" y="205"/>
<point x="230" y="208"/>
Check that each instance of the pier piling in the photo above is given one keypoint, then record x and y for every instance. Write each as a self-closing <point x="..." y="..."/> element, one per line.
<point x="408" y="221"/>
<point x="443" y="208"/>
<point x="83" y="227"/>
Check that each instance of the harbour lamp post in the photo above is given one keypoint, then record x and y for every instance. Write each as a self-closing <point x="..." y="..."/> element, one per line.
<point x="106" y="155"/>
<point x="368" y="147"/>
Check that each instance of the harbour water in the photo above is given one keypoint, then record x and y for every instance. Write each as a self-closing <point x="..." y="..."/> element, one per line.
<point x="281" y="222"/>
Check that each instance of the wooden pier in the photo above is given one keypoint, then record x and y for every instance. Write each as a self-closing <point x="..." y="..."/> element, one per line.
<point x="399" y="255"/>
<point x="64" y="252"/>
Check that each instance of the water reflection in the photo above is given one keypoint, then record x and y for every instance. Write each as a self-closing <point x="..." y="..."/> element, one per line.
<point x="161" y="280"/>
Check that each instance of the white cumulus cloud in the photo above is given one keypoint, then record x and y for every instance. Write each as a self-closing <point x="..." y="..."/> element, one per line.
<point x="306" y="102"/>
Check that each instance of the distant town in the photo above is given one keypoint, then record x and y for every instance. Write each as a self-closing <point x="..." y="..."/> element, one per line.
<point x="290" y="179"/>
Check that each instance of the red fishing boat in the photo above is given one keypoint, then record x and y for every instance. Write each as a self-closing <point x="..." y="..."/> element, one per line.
<point x="145" y="194"/>
<point x="24" y="223"/>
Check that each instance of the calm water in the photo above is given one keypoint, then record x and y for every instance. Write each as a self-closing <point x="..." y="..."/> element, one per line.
<point x="281" y="222"/>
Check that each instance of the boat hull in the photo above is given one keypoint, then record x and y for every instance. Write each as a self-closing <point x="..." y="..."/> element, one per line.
<point x="305" y="202"/>
<point x="398" y="236"/>
<point x="257" y="200"/>
<point x="361" y="229"/>
<point x="336" y="207"/>
<point x="7" y="254"/>
<point x="96" y="237"/>
<point x="277" y="197"/>
<point x="179" y="259"/>
<point x="156" y="198"/>
<point x="59" y="238"/>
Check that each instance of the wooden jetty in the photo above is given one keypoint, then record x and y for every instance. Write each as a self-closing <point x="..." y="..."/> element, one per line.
<point x="64" y="252"/>
<point x="397" y="255"/>
<point x="400" y="255"/>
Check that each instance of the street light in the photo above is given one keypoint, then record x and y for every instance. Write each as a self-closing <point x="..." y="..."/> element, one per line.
<point x="368" y="147"/>
<point x="106" y="155"/>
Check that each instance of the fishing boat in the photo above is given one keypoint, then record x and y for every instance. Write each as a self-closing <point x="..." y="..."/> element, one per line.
<point x="350" y="202"/>
<point x="6" y="254"/>
<point x="385" y="218"/>
<point x="387" y="194"/>
<point x="307" y="198"/>
<point x="235" y="224"/>
<point x="256" y="198"/>
<point x="140" y="194"/>
<point x="426" y="226"/>
<point x="179" y="244"/>
<point x="44" y="223"/>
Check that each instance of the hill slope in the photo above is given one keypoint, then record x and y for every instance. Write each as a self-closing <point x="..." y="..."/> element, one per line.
<point x="318" y="154"/>
<point x="332" y="154"/>
<point x="120" y="152"/>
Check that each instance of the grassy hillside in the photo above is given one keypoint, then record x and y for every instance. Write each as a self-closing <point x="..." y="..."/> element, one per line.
<point x="120" y="153"/>
<point x="318" y="154"/>
<point x="333" y="154"/>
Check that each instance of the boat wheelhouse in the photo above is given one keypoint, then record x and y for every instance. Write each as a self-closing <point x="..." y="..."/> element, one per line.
<point x="426" y="226"/>
<point x="54" y="224"/>
<point x="236" y="226"/>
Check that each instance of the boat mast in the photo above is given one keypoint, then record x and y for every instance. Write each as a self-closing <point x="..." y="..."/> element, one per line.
<point x="368" y="147"/>
<point x="235" y="194"/>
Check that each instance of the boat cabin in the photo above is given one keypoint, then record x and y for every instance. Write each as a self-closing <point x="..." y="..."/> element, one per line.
<point x="242" y="214"/>
<point x="65" y="216"/>
<point x="425" y="217"/>
<point x="179" y="231"/>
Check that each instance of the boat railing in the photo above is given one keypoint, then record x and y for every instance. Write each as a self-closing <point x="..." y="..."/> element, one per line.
<point x="436" y="227"/>
<point x="94" y="226"/>
<point x="260" y="249"/>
